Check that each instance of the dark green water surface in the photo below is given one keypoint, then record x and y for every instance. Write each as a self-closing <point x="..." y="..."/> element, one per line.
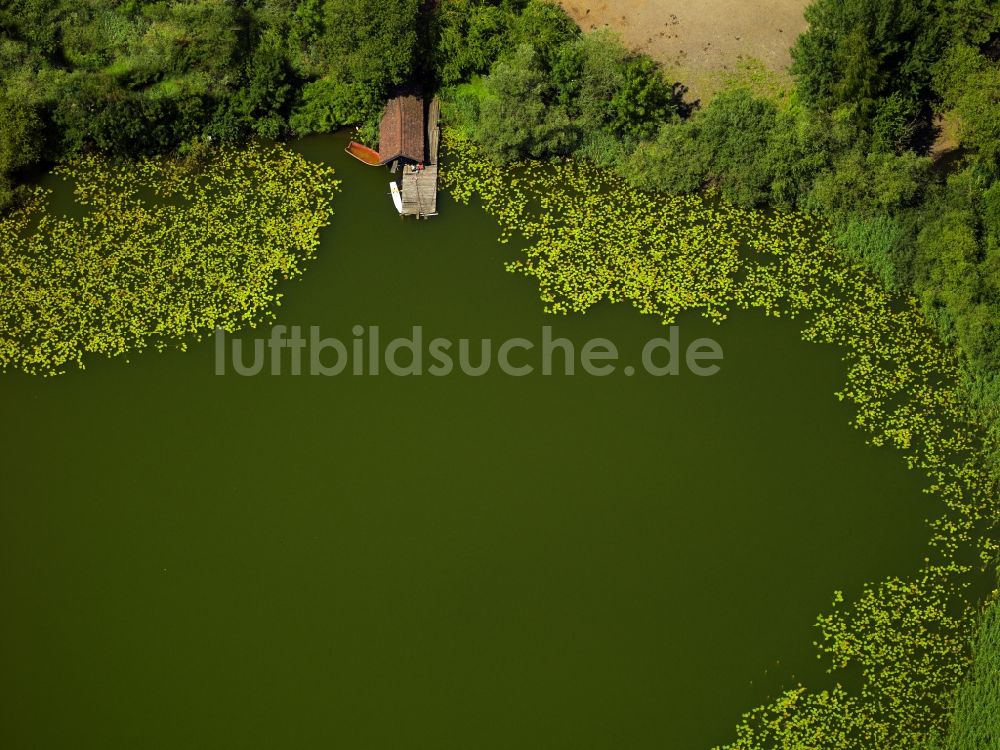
<point x="458" y="563"/>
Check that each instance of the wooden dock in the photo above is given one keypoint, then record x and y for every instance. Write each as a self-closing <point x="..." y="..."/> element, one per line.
<point x="420" y="187"/>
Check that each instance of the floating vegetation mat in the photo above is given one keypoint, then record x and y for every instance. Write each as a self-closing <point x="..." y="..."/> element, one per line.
<point x="591" y="239"/>
<point x="161" y="254"/>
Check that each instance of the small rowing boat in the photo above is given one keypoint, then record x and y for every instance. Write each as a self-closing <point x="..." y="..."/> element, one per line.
<point x="363" y="154"/>
<point x="397" y="197"/>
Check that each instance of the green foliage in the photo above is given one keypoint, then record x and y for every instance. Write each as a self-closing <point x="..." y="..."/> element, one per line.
<point x="461" y="106"/>
<point x="147" y="77"/>
<point x="954" y="69"/>
<point x="989" y="211"/>
<point x="747" y="146"/>
<point x="561" y="92"/>
<point x="264" y="99"/>
<point x="970" y="21"/>
<point x="975" y="724"/>
<point x="36" y="21"/>
<point x="6" y="192"/>
<point x="894" y="123"/>
<point x="370" y="42"/>
<point x="515" y="117"/>
<point x="359" y="49"/>
<point x="305" y="30"/>
<point x="860" y="52"/>
<point x="878" y="242"/>
<point x="616" y="98"/>
<point x="969" y="84"/>
<point x="958" y="269"/>
<point x="674" y="163"/>
<point x="328" y="104"/>
<point x="800" y="147"/>
<point x="737" y="127"/>
<point x="978" y="110"/>
<point x="947" y="263"/>
<point x="20" y="141"/>
<point x="872" y="183"/>
<point x="640" y="103"/>
<point x="470" y="36"/>
<point x="193" y="34"/>
<point x="545" y="26"/>
<point x="589" y="71"/>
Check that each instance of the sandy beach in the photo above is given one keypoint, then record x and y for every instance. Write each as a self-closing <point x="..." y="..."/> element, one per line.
<point x="701" y="43"/>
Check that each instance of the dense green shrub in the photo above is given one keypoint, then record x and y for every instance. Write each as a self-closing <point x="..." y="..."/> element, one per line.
<point x="673" y="163"/>
<point x="879" y="242"/>
<point x="862" y="52"/>
<point x="144" y="77"/>
<point x="556" y="91"/>
<point x="870" y="183"/>
<point x="516" y="115"/>
<point x="20" y="141"/>
<point x="545" y="26"/>
<point x="976" y="721"/>
<point x="470" y="35"/>
<point x="957" y="269"/>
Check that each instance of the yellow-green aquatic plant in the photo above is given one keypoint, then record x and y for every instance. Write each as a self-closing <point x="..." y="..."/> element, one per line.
<point x="161" y="254"/>
<point x="591" y="239"/>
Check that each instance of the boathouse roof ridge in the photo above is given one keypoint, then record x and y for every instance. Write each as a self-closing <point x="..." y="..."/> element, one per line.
<point x="401" y="133"/>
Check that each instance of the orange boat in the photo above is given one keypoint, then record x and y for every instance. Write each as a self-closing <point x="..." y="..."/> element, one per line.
<point x="363" y="154"/>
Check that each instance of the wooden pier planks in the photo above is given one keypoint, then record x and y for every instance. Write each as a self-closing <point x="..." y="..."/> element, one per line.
<point x="420" y="187"/>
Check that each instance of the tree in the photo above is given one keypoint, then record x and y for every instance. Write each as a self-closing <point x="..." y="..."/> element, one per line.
<point x="263" y="101"/>
<point x="641" y="102"/>
<point x="470" y="36"/>
<point x="546" y="27"/>
<point x="516" y="118"/>
<point x="20" y="133"/>
<point x="978" y="110"/>
<point x="859" y="52"/>
<point x="948" y="277"/>
<point x="597" y="60"/>
<point x="197" y="34"/>
<point x="977" y="701"/>
<point x="370" y="42"/>
<point x="969" y="84"/>
<point x="330" y="103"/>
<point x="359" y="49"/>
<point x="20" y="141"/>
<point x="306" y="27"/>
<point x="736" y="129"/>
<point x="676" y="162"/>
<point x="872" y="184"/>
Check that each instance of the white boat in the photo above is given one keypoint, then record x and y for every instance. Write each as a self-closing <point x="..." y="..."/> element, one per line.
<point x="397" y="197"/>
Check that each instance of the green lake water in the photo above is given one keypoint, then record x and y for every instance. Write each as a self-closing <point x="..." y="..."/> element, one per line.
<point x="195" y="561"/>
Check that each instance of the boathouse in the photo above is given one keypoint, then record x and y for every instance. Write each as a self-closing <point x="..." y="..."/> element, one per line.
<point x="401" y="133"/>
<point x="409" y="138"/>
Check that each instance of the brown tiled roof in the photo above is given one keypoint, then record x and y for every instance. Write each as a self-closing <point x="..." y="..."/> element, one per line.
<point x="401" y="133"/>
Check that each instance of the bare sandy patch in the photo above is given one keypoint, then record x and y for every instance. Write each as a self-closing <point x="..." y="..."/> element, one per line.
<point x="701" y="43"/>
<point x="947" y="140"/>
